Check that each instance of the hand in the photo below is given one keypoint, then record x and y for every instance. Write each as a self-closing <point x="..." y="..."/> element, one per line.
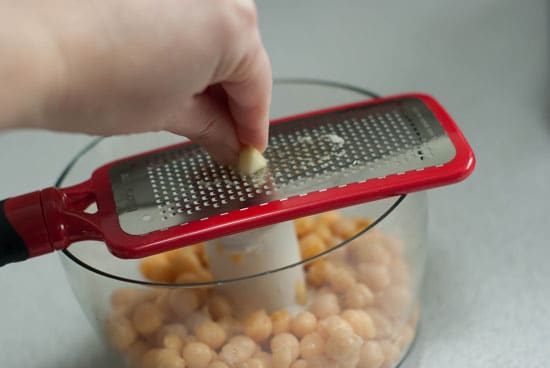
<point x="193" y="67"/>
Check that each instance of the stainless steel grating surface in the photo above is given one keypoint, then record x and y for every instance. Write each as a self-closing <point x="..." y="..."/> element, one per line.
<point x="183" y="184"/>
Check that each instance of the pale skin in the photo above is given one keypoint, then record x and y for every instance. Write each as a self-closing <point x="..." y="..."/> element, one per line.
<point x="196" y="68"/>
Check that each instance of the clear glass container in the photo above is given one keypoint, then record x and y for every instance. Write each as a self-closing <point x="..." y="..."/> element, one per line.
<point x="340" y="289"/>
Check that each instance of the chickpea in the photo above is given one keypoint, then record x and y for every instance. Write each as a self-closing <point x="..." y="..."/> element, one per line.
<point x="393" y="245"/>
<point x="176" y="329"/>
<point x="362" y="223"/>
<point x="300" y="292"/>
<point x="371" y="355"/>
<point x="405" y="337"/>
<point x="325" y="304"/>
<point x="304" y="225"/>
<point x="173" y="342"/>
<point x="382" y="324"/>
<point x="135" y="352"/>
<point x="197" y="355"/>
<point x="165" y="358"/>
<point x="183" y="302"/>
<point x="193" y="320"/>
<point x="399" y="272"/>
<point x="147" y="318"/>
<point x="358" y="296"/>
<point x="186" y="260"/>
<point x="217" y="364"/>
<point x="252" y="363"/>
<point x="343" y="228"/>
<point x="320" y="361"/>
<point x="361" y="323"/>
<point x="330" y="325"/>
<point x="265" y="357"/>
<point x="311" y="245"/>
<point x="311" y="345"/>
<point x="230" y="325"/>
<point x="194" y="277"/>
<point x="369" y="248"/>
<point x="236" y="352"/>
<point x="285" y="349"/>
<point x="318" y="272"/>
<point x="157" y="268"/>
<point x="375" y="276"/>
<point x="343" y="346"/>
<point x="300" y="363"/>
<point x="120" y="331"/>
<point x="394" y="301"/>
<point x="327" y="218"/>
<point x="219" y="307"/>
<point x="342" y="279"/>
<point x="211" y="333"/>
<point x="258" y="325"/>
<point x="126" y="297"/>
<point x="324" y="233"/>
<point x="201" y="253"/>
<point x="391" y="352"/>
<point x="246" y="344"/>
<point x="280" y="321"/>
<point x="303" y="324"/>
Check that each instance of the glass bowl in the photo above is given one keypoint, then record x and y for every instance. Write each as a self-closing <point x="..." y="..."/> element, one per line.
<point x="339" y="289"/>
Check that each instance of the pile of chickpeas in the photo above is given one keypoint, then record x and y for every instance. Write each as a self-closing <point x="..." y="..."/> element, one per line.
<point x="358" y="309"/>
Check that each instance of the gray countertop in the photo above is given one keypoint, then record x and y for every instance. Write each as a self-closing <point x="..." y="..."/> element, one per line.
<point x="486" y="297"/>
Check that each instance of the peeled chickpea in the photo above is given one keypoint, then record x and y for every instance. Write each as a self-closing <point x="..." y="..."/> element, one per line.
<point x="311" y="345"/>
<point x="370" y="248"/>
<point x="197" y="355"/>
<point x="311" y="245"/>
<point x="391" y="352"/>
<point x="342" y="279"/>
<point x="211" y="333"/>
<point x="219" y="307"/>
<point x="394" y="245"/>
<point x="120" y="331"/>
<point x="177" y="329"/>
<point x="324" y="233"/>
<point x="304" y="225"/>
<point x="371" y="355"/>
<point x="320" y="361"/>
<point x="165" y="358"/>
<point x="186" y="260"/>
<point x="343" y="346"/>
<point x="300" y="363"/>
<point x="257" y="325"/>
<point x="303" y="324"/>
<point x="217" y="364"/>
<point x="343" y="228"/>
<point x="328" y="217"/>
<point x="135" y="352"/>
<point x="126" y="297"/>
<point x="183" y="302"/>
<point x="252" y="363"/>
<point x="330" y="325"/>
<point x="325" y="304"/>
<point x="265" y="357"/>
<point x="382" y="324"/>
<point x="375" y="276"/>
<point x="300" y="292"/>
<point x="358" y="296"/>
<point x="362" y="223"/>
<point x="193" y="320"/>
<point x="237" y="351"/>
<point x="285" y="349"/>
<point x="394" y="301"/>
<point x="361" y="323"/>
<point x="194" y="277"/>
<point x="173" y="342"/>
<point x="405" y="337"/>
<point x="318" y="272"/>
<point x="157" y="268"/>
<point x="147" y="318"/>
<point x="230" y="325"/>
<point x="280" y="321"/>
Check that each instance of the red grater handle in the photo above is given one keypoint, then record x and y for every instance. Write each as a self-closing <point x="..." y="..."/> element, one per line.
<point x="41" y="222"/>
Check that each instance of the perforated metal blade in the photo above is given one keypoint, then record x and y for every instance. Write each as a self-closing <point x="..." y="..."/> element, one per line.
<point x="313" y="153"/>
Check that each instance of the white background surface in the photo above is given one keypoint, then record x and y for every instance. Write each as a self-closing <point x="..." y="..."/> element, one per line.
<point x="487" y="282"/>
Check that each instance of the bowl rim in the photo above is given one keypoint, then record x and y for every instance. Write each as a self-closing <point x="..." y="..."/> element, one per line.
<point x="305" y="81"/>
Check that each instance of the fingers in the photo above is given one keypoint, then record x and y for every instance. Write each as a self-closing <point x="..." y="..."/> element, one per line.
<point x="207" y="121"/>
<point x="248" y="91"/>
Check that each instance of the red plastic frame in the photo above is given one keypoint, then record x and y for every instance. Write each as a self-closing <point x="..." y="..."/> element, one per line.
<point x="67" y="223"/>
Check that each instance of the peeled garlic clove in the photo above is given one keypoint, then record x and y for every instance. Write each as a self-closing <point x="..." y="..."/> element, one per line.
<point x="251" y="161"/>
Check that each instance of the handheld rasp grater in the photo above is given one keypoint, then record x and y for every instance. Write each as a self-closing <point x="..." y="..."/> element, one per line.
<point x="177" y="195"/>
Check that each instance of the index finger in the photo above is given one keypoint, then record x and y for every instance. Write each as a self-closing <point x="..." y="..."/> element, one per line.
<point x="249" y="96"/>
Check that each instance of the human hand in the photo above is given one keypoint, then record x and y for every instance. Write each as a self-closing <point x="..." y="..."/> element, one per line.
<point x="193" y="67"/>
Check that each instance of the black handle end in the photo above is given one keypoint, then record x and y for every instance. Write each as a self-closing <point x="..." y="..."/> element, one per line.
<point x="12" y="246"/>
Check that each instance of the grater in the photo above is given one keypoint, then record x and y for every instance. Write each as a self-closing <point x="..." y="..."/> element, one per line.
<point x="177" y="195"/>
